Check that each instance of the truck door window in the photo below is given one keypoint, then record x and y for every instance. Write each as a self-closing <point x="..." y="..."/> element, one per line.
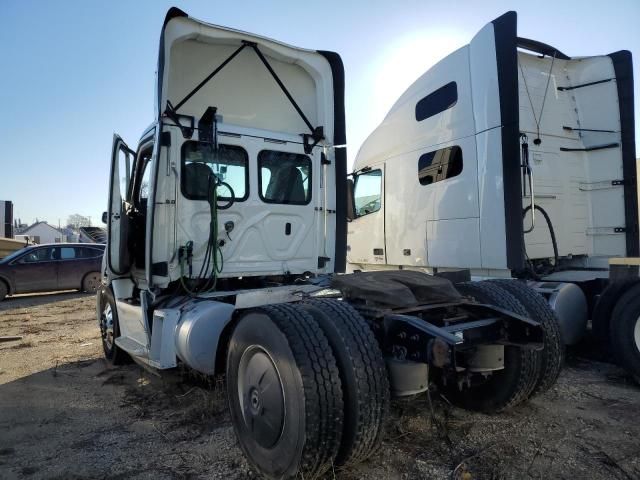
<point x="143" y="178"/>
<point x="367" y="192"/>
<point x="439" y="165"/>
<point x="284" y="177"/>
<point x="229" y="163"/>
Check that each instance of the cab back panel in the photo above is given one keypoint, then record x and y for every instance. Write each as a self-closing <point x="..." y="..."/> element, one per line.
<point x="581" y="189"/>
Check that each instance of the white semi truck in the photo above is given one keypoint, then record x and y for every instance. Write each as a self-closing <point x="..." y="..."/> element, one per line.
<point x="510" y="159"/>
<point x="227" y="240"/>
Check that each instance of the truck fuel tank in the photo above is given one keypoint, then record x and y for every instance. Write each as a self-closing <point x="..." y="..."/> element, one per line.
<point x="569" y="303"/>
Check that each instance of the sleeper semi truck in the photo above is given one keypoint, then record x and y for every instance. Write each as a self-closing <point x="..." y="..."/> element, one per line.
<point x="226" y="248"/>
<point x="511" y="160"/>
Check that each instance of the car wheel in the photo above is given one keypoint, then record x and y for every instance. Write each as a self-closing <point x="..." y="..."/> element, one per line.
<point x="3" y="290"/>
<point x="91" y="282"/>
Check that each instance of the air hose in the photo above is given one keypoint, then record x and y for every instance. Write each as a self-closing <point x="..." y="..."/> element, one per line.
<point x="551" y="232"/>
<point x="212" y="262"/>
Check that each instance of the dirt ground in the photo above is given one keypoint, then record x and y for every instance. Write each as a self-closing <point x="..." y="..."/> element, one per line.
<point x="64" y="414"/>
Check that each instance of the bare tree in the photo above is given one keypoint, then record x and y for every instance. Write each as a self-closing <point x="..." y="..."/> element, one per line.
<point x="77" y="221"/>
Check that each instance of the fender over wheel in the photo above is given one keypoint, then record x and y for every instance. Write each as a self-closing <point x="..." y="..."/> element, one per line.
<point x="284" y="392"/>
<point x="513" y="384"/>
<point x="363" y="374"/>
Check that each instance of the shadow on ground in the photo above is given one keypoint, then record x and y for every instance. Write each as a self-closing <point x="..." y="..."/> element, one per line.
<point x="37" y="299"/>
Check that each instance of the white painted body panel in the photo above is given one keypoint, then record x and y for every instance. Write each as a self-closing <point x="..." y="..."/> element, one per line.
<point x="460" y="222"/>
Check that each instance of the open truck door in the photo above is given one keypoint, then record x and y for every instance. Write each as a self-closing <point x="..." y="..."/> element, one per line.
<point x="118" y="258"/>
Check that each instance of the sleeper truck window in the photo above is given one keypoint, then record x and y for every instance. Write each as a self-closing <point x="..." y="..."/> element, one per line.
<point x="436" y="102"/>
<point x="284" y="177"/>
<point x="439" y="165"/>
<point x="229" y="163"/>
<point x="367" y="192"/>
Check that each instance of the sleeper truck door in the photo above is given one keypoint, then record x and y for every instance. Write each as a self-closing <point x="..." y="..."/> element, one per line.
<point x="367" y="229"/>
<point x="118" y="259"/>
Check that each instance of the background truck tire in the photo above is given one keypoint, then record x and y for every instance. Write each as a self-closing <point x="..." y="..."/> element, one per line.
<point x="279" y="352"/>
<point x="504" y="388"/>
<point x="625" y="331"/>
<point x="363" y="373"/>
<point x="110" y="328"/>
<point x="537" y="308"/>
<point x="603" y="310"/>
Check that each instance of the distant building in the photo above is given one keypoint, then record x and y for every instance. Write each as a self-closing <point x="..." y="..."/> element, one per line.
<point x="6" y="219"/>
<point x="42" y="232"/>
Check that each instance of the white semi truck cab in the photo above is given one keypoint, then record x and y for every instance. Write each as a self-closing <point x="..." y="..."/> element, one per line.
<point x="508" y="159"/>
<point x="227" y="243"/>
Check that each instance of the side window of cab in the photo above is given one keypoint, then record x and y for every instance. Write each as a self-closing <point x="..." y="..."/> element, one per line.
<point x="367" y="192"/>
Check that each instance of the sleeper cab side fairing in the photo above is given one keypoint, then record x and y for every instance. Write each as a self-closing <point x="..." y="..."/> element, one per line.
<point x="474" y="219"/>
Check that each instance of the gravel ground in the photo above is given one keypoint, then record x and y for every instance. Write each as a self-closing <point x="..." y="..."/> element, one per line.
<point x="64" y="414"/>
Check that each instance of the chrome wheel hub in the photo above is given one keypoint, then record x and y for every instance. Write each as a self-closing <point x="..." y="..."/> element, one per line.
<point x="106" y="326"/>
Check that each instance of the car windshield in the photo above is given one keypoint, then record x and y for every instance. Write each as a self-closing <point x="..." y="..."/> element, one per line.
<point x="13" y="255"/>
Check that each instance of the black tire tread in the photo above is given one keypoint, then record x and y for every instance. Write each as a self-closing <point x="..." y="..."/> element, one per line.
<point x="603" y="310"/>
<point x="321" y="381"/>
<point x="538" y="309"/>
<point x="623" y="319"/>
<point x="487" y="293"/>
<point x="371" y="381"/>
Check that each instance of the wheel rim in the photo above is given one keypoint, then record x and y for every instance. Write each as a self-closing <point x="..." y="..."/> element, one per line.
<point x="106" y="327"/>
<point x="636" y="333"/>
<point x="91" y="282"/>
<point x="261" y="396"/>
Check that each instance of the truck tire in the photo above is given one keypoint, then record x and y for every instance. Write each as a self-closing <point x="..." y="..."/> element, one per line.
<point x="625" y="331"/>
<point x="504" y="388"/>
<point x="537" y="308"/>
<point x="602" y="312"/>
<point x="363" y="374"/>
<point x="110" y="328"/>
<point x="279" y="352"/>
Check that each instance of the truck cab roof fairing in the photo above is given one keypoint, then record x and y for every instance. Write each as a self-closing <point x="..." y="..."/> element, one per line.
<point x="244" y="91"/>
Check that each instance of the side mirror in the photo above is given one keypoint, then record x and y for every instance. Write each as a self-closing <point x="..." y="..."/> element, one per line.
<point x="351" y="208"/>
<point x="105" y="216"/>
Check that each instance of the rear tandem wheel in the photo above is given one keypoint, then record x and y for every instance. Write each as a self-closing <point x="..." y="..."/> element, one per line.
<point x="537" y="308"/>
<point x="284" y="392"/>
<point x="504" y="388"/>
<point x="365" y="385"/>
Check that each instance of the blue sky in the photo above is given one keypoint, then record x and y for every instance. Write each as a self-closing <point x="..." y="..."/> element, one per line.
<point x="74" y="72"/>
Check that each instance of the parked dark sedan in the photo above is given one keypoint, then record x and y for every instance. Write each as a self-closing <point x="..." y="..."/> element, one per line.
<point x="59" y="266"/>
